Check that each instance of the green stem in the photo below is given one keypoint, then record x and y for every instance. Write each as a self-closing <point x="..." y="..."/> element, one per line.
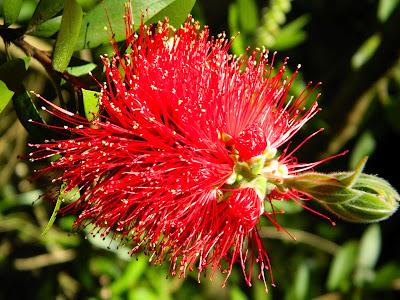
<point x="55" y="211"/>
<point x="302" y="237"/>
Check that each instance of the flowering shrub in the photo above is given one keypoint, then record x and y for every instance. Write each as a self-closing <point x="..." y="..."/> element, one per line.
<point x="183" y="155"/>
<point x="187" y="151"/>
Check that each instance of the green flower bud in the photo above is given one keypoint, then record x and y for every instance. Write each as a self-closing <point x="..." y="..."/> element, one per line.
<point x="353" y="196"/>
<point x="377" y="201"/>
<point x="368" y="207"/>
<point x="325" y="188"/>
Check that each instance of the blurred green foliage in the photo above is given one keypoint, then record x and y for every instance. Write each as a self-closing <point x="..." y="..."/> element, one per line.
<point x="353" y="47"/>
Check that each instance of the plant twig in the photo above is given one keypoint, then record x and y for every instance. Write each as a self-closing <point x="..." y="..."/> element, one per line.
<point x="300" y="237"/>
<point x="44" y="260"/>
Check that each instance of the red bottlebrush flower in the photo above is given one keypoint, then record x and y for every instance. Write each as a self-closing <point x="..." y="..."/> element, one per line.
<point x="184" y="150"/>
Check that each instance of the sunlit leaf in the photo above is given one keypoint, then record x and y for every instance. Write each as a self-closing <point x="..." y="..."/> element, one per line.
<point x="386" y="8"/>
<point x="238" y="45"/>
<point x="131" y="275"/>
<point x="342" y="266"/>
<point x="81" y="70"/>
<point x="370" y="247"/>
<point x="237" y="294"/>
<point x="90" y="103"/>
<point x="48" y="28"/>
<point x="5" y="95"/>
<point x="292" y="34"/>
<point x="68" y="35"/>
<point x="141" y="293"/>
<point x="301" y="282"/>
<point x="11" y="10"/>
<point x="248" y="16"/>
<point x="365" y="52"/>
<point x="45" y="10"/>
<point x="177" y="12"/>
<point x="93" y="31"/>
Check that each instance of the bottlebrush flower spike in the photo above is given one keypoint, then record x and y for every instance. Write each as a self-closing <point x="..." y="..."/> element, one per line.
<point x="183" y="153"/>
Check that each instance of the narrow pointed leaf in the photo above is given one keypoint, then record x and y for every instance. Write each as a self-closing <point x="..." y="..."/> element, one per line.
<point x="248" y="16"/>
<point x="28" y="114"/>
<point x="55" y="211"/>
<point x="5" y="95"/>
<point x="370" y="247"/>
<point x="301" y="282"/>
<point x="342" y="265"/>
<point x="13" y="72"/>
<point x="81" y="69"/>
<point x="48" y="28"/>
<point x="11" y="9"/>
<point x="45" y="10"/>
<point x="67" y="36"/>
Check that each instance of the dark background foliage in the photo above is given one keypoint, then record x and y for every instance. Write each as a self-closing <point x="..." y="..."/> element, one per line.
<point x="352" y="47"/>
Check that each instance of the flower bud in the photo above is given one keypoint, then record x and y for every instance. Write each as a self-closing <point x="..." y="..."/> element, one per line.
<point x="325" y="188"/>
<point x="377" y="201"/>
<point x="356" y="198"/>
<point x="367" y="207"/>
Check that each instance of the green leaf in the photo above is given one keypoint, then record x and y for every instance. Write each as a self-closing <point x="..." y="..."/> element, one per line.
<point x="365" y="52"/>
<point x="301" y="282"/>
<point x="81" y="70"/>
<point x="104" y="266"/>
<point x="90" y="103"/>
<point x="292" y="34"/>
<point x="237" y="294"/>
<point x="365" y="146"/>
<point x="342" y="266"/>
<point x="11" y="9"/>
<point x="386" y="8"/>
<point x="93" y="33"/>
<point x="248" y="16"/>
<point x="45" y="10"/>
<point x="68" y="35"/>
<point x="5" y="95"/>
<point x="129" y="278"/>
<point x="111" y="243"/>
<point x="55" y="211"/>
<point x="48" y="28"/>
<point x="353" y="196"/>
<point x="370" y="247"/>
<point x="238" y="46"/>
<point x="386" y="276"/>
<point x="177" y="12"/>
<point x="28" y="115"/>
<point x="13" y="72"/>
<point x="141" y="293"/>
<point x="365" y="208"/>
